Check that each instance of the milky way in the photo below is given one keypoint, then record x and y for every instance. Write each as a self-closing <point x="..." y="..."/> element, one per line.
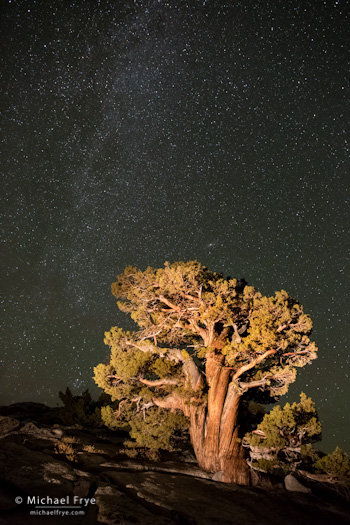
<point x="140" y="132"/>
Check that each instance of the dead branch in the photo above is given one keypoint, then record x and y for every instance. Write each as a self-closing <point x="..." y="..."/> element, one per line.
<point x="157" y="382"/>
<point x="253" y="363"/>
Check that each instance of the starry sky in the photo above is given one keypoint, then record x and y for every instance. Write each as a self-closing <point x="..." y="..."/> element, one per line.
<point x="135" y="132"/>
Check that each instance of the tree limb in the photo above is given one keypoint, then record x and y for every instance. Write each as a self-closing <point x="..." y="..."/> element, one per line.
<point x="253" y="384"/>
<point x="200" y="331"/>
<point x="119" y="407"/>
<point x="296" y="353"/>
<point x="188" y="296"/>
<point x="172" y="402"/>
<point x="144" y="348"/>
<point x="192" y="372"/>
<point x="171" y="305"/>
<point x="251" y="365"/>
<point x="174" y="354"/>
<point x="157" y="382"/>
<point x="236" y="337"/>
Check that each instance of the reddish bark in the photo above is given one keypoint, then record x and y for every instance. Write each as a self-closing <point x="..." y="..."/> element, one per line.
<point x="214" y="428"/>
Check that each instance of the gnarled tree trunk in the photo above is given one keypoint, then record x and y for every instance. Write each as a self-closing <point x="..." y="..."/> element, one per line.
<point x="214" y="428"/>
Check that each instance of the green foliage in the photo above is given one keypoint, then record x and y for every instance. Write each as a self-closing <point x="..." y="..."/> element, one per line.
<point x="152" y="455"/>
<point x="267" y="465"/>
<point x="162" y="368"/>
<point x="309" y="456"/>
<point x="108" y="416"/>
<point x="80" y="410"/>
<point x="336" y="465"/>
<point x="286" y="435"/>
<point x="91" y="449"/>
<point x="156" y="428"/>
<point x="189" y="317"/>
<point x="291" y="426"/>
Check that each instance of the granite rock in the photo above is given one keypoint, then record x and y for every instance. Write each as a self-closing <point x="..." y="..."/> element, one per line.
<point x="174" y="491"/>
<point x="293" y="485"/>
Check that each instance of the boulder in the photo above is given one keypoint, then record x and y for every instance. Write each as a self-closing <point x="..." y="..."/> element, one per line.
<point x="217" y="476"/>
<point x="8" y="424"/>
<point x="293" y="485"/>
<point x="174" y="491"/>
<point x="89" y="460"/>
<point x="188" y="500"/>
<point x="115" y="508"/>
<point x="57" y="432"/>
<point x="170" y="467"/>
<point x="40" y="433"/>
<point x="39" y="474"/>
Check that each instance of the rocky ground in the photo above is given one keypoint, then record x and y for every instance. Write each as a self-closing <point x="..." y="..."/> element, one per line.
<point x="40" y="468"/>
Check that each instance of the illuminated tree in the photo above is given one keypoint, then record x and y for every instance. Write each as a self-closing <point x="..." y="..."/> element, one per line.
<point x="204" y="342"/>
<point x="285" y="435"/>
<point x="336" y="465"/>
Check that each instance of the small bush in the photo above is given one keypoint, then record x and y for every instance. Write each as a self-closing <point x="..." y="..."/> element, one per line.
<point x="336" y="465"/>
<point x="288" y="433"/>
<point x="92" y="449"/>
<point x="133" y="451"/>
<point x="66" y="448"/>
<point x="130" y="452"/>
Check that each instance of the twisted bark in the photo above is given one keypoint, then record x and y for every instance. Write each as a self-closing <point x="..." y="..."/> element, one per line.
<point x="214" y="428"/>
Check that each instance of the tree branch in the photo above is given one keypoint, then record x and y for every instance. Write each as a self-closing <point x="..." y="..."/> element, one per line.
<point x="119" y="407"/>
<point x="157" y="382"/>
<point x="171" y="305"/>
<point x="200" y="331"/>
<point x="253" y="384"/>
<point x="174" y="354"/>
<point x="192" y="372"/>
<point x="236" y="337"/>
<point x="188" y="296"/>
<point x="251" y="365"/>
<point x="296" y="353"/>
<point x="133" y="400"/>
<point x="172" y="402"/>
<point x="143" y="348"/>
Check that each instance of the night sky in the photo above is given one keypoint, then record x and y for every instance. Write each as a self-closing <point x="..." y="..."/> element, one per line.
<point x="139" y="132"/>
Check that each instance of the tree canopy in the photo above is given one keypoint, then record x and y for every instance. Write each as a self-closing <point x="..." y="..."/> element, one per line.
<point x="202" y="342"/>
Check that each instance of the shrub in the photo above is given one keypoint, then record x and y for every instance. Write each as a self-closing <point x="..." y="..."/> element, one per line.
<point x="133" y="451"/>
<point x="130" y="452"/>
<point x="287" y="432"/>
<point x="92" y="449"/>
<point x="65" y="447"/>
<point x="336" y="465"/>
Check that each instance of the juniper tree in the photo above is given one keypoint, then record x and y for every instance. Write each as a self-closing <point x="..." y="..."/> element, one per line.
<point x="285" y="435"/>
<point x="203" y="343"/>
<point x="336" y="465"/>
